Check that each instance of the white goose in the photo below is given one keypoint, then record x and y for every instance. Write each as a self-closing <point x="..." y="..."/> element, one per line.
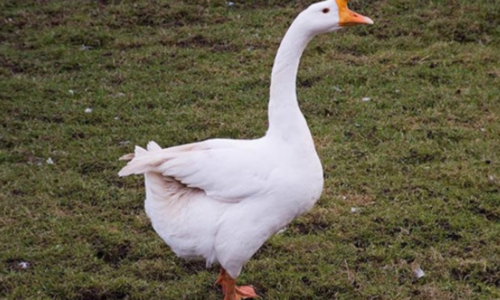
<point x="221" y="199"/>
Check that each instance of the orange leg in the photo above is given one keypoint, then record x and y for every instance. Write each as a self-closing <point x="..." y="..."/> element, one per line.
<point x="231" y="291"/>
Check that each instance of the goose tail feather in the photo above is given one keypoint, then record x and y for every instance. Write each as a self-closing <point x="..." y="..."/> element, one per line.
<point x="142" y="160"/>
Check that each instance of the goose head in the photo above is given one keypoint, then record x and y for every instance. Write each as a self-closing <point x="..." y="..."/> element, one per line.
<point x="331" y="15"/>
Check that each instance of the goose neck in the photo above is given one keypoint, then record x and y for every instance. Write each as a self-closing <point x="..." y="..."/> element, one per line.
<point x="285" y="117"/>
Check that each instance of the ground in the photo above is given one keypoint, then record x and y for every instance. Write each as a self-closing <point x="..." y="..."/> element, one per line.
<point x="405" y="115"/>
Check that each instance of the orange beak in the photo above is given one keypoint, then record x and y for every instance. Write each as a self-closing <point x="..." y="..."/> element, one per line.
<point x="348" y="17"/>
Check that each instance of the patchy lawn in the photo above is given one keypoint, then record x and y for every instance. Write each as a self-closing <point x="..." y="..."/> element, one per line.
<point x="412" y="171"/>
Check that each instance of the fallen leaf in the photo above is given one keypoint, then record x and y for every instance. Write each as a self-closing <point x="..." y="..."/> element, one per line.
<point x="417" y="271"/>
<point x="24" y="265"/>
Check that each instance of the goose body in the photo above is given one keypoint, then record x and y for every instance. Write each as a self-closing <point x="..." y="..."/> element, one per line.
<point x="221" y="199"/>
<point x="200" y="216"/>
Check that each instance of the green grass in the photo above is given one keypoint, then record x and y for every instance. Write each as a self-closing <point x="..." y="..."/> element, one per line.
<point x="419" y="161"/>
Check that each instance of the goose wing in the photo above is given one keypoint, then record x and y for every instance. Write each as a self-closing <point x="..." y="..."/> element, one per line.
<point x="226" y="170"/>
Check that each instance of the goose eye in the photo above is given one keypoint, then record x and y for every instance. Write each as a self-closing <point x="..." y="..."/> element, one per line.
<point x="326" y="10"/>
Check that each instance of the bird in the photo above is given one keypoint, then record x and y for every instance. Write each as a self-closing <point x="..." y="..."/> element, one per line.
<point x="219" y="200"/>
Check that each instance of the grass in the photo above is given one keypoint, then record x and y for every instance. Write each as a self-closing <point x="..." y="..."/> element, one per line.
<point x="418" y="162"/>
